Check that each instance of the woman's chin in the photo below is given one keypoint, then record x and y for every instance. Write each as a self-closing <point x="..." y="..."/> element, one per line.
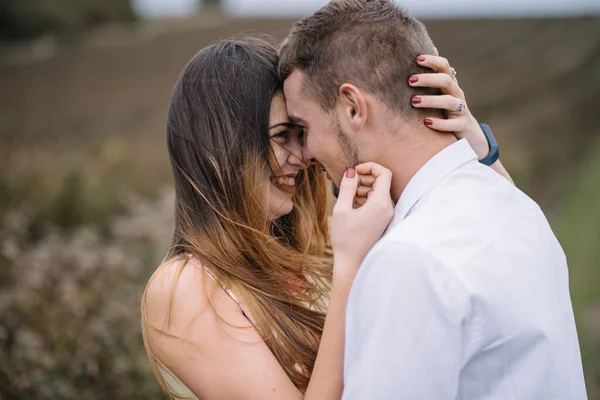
<point x="281" y="201"/>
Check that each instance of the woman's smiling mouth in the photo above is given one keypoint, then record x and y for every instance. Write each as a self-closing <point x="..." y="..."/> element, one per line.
<point x="285" y="183"/>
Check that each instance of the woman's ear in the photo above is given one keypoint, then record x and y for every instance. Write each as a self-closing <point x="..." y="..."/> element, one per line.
<point x="352" y="106"/>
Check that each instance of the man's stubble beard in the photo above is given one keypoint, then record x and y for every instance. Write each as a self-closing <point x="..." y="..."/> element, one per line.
<point x="350" y="153"/>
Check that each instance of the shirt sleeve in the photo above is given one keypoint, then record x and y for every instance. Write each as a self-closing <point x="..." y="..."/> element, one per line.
<point x="404" y="325"/>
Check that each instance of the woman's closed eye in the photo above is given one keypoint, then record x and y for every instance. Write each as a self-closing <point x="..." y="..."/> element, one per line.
<point x="289" y="133"/>
<point x="301" y="135"/>
<point x="281" y="137"/>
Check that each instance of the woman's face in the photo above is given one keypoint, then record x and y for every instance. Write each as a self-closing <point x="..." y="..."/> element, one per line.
<point x="287" y="149"/>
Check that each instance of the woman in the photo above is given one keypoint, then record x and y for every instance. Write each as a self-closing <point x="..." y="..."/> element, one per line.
<point x="238" y="309"/>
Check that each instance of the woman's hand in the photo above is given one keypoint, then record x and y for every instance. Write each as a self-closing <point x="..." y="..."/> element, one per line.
<point x="463" y="125"/>
<point x="365" y="185"/>
<point x="355" y="230"/>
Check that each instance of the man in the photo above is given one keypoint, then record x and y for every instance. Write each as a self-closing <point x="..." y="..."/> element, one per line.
<point x="466" y="295"/>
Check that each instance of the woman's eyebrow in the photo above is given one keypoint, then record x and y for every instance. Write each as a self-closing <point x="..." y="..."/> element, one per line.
<point x="286" y="124"/>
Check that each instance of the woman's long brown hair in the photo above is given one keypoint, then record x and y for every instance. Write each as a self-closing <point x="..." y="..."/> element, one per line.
<point x="218" y="141"/>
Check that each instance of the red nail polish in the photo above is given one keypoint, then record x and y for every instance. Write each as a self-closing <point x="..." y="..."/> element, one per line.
<point x="350" y="173"/>
<point x="414" y="79"/>
<point x="428" y="122"/>
<point x="421" y="58"/>
<point x="416" y="100"/>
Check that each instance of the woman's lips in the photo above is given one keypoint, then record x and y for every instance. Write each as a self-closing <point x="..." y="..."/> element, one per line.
<point x="286" y="183"/>
<point x="284" y="180"/>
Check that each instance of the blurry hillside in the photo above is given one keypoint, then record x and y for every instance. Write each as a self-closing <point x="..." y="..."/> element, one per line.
<point x="20" y="19"/>
<point x="85" y="203"/>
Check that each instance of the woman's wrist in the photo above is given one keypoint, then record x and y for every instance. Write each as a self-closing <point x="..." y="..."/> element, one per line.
<point x="481" y="148"/>
<point x="478" y="142"/>
<point x="345" y="268"/>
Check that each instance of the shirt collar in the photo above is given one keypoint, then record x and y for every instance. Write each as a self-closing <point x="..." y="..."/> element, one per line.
<point x="434" y="170"/>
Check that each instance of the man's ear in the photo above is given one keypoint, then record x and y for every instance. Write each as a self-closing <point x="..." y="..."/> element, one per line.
<point x="352" y="106"/>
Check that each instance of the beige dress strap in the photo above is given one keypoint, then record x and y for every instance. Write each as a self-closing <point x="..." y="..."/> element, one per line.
<point x="229" y="292"/>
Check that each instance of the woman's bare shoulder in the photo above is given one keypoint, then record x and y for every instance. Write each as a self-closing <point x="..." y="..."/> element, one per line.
<point x="209" y="345"/>
<point x="182" y="298"/>
<point x="175" y="293"/>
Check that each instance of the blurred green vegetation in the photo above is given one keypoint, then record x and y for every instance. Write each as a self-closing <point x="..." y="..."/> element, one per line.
<point x="85" y="189"/>
<point x="579" y="232"/>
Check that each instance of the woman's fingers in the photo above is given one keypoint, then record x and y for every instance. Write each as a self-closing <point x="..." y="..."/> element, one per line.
<point x="462" y="124"/>
<point x="383" y="178"/>
<point x="442" y="102"/>
<point x="363" y="191"/>
<point x="347" y="192"/>
<point x="437" y="63"/>
<point x="446" y="125"/>
<point x="365" y="185"/>
<point x="440" y="80"/>
<point x="360" y="201"/>
<point x="355" y="231"/>
<point x="366" y="180"/>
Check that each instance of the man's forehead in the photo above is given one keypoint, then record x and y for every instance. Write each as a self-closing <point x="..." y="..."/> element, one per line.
<point x="297" y="100"/>
<point x="294" y="82"/>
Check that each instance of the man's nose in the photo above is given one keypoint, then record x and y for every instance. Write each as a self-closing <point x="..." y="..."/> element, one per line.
<point x="307" y="156"/>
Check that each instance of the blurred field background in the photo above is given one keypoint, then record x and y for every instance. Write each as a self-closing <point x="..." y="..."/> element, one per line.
<point x="85" y="185"/>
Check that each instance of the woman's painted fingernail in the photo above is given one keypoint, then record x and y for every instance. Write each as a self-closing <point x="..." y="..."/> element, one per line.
<point x="421" y="58"/>
<point x="414" y="79"/>
<point x="428" y="122"/>
<point x="350" y="173"/>
<point x="416" y="100"/>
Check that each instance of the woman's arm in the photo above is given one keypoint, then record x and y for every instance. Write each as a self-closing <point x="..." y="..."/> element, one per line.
<point x="326" y="381"/>
<point x="499" y="168"/>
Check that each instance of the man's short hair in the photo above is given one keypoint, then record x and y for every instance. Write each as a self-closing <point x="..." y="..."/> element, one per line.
<point x="372" y="44"/>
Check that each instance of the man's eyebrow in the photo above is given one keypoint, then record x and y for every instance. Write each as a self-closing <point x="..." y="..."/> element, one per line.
<point x="297" y="120"/>
<point x="286" y="124"/>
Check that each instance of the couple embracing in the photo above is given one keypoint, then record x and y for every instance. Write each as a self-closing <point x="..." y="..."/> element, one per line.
<point x="434" y="278"/>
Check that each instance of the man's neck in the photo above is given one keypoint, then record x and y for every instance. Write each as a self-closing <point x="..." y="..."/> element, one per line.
<point x="406" y="158"/>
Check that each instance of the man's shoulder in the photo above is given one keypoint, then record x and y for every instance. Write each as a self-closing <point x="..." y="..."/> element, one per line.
<point x="395" y="256"/>
<point x="462" y="214"/>
<point x="393" y="246"/>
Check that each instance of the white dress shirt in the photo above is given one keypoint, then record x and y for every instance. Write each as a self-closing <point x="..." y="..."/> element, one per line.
<point x="466" y="296"/>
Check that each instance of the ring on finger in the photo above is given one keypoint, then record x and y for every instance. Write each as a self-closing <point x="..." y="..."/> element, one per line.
<point x="453" y="76"/>
<point x="461" y="107"/>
